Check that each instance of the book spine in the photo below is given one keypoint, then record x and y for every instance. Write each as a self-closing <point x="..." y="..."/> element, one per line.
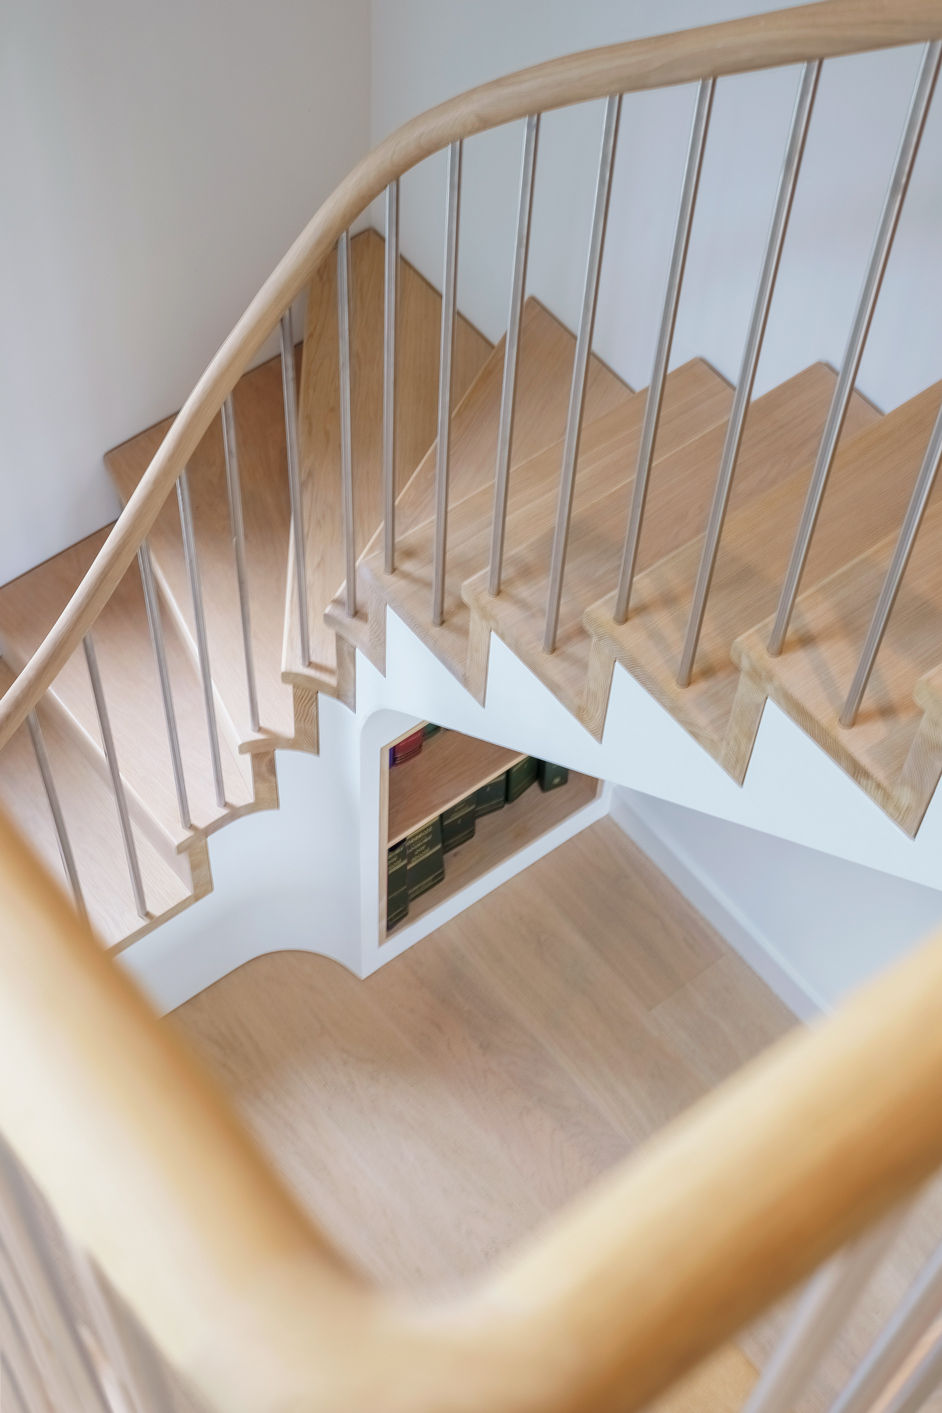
<point x="408" y="747"/>
<point x="491" y="797"/>
<point x="552" y="776"/>
<point x="397" y="885"/>
<point x="458" y="823"/>
<point x="521" y="775"/>
<point x="426" y="858"/>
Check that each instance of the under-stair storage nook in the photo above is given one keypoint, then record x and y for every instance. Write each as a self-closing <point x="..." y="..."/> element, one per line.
<point x="469" y="806"/>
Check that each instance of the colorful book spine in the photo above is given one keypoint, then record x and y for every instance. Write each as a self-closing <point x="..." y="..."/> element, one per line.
<point x="552" y="776"/>
<point x="491" y="797"/>
<point x="458" y="823"/>
<point x="521" y="775"/>
<point x="430" y="729"/>
<point x="397" y="885"/>
<point x="426" y="858"/>
<point x="407" y="748"/>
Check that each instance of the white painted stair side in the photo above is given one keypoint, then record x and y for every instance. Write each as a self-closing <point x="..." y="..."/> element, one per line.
<point x="306" y="876"/>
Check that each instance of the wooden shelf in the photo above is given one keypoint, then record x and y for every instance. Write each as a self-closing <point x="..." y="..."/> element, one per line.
<point x="446" y="770"/>
<point x="499" y="836"/>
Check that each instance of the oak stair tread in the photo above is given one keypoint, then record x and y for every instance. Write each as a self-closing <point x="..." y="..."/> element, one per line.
<point x="721" y="1384"/>
<point x="782" y="431"/>
<point x="92" y="823"/>
<point x="869" y="487"/>
<point x="544" y="375"/>
<point x="30" y="605"/>
<point x="894" y="749"/>
<point x="418" y="346"/>
<point x="260" y="433"/>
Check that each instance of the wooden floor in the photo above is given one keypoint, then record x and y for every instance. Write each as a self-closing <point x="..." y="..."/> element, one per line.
<point x="440" y="1110"/>
<point x="437" y="1111"/>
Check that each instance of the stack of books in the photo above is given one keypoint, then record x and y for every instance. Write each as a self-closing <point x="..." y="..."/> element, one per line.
<point x="417" y="863"/>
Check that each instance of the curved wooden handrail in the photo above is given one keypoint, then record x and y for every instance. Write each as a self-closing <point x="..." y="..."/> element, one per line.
<point x="822" y="30"/>
<point x="658" y="1264"/>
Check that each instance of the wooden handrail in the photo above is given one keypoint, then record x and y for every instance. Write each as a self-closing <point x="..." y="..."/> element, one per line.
<point x="822" y="30"/>
<point x="662" y="1261"/>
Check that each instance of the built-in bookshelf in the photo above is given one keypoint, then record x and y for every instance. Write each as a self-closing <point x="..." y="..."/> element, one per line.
<point x="438" y="781"/>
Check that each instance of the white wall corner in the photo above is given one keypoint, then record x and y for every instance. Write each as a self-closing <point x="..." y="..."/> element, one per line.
<point x="701" y="890"/>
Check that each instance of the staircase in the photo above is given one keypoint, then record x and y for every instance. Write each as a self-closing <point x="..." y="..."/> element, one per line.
<point x="240" y="688"/>
<point x="722" y="548"/>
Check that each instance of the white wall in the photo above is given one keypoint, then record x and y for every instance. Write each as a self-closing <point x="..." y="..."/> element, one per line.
<point x="424" y="52"/>
<point x="814" y="926"/>
<point x="156" y="160"/>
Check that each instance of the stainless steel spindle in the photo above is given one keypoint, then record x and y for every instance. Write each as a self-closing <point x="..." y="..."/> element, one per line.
<point x="55" y="808"/>
<point x="580" y="369"/>
<point x="346" y="423"/>
<point x="160" y="656"/>
<point x="443" y="448"/>
<point x="910" y="1320"/>
<point x="791" y="165"/>
<point x="512" y="350"/>
<point x="879" y="255"/>
<point x="894" y="574"/>
<point x="919" y="1386"/>
<point x="117" y="784"/>
<point x="655" y="397"/>
<point x="820" y="1314"/>
<point x="237" y="523"/>
<point x="202" y="643"/>
<point x="289" y="389"/>
<point x="390" y="329"/>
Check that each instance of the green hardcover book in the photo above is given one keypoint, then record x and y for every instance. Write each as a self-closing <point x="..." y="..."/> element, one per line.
<point x="492" y="796"/>
<point x="521" y="776"/>
<point x="426" y="858"/>
<point x="397" y="885"/>
<point x="430" y="729"/>
<point x="458" y="823"/>
<point x="552" y="776"/>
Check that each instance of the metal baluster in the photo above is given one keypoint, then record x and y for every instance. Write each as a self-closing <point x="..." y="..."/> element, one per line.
<point x="390" y="327"/>
<point x="791" y="165"/>
<point x="237" y="522"/>
<point x="655" y="397"/>
<point x="886" y="230"/>
<point x="199" y="617"/>
<point x="117" y="784"/>
<point x="289" y="389"/>
<point x="443" y="447"/>
<point x="894" y="574"/>
<point x="822" y="1311"/>
<point x="919" y="1386"/>
<point x="512" y="350"/>
<point x="580" y="369"/>
<point x="160" y="655"/>
<point x="346" y="422"/>
<point x="55" y="807"/>
<point x="899" y="1336"/>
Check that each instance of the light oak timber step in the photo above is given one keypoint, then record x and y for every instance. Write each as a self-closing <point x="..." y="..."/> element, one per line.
<point x="894" y="749"/>
<point x="28" y="608"/>
<point x="260" y="434"/>
<point x="870" y="484"/>
<point x="696" y="398"/>
<point x="418" y="347"/>
<point x="92" y="824"/>
<point x="781" y="434"/>
<point x="543" y="380"/>
<point x="721" y="1384"/>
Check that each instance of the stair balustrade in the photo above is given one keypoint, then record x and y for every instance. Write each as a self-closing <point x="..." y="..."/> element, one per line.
<point x="794" y="1164"/>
